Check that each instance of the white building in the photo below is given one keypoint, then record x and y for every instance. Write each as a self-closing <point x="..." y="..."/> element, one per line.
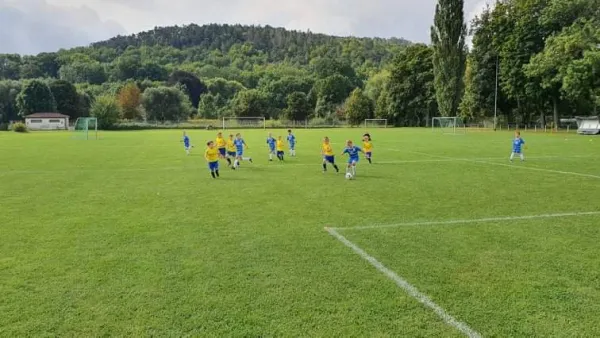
<point x="47" y="121"/>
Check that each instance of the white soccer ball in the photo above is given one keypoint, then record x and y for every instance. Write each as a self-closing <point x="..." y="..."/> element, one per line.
<point x="348" y="176"/>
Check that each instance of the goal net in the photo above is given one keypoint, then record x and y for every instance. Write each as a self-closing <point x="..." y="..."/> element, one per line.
<point x="375" y="123"/>
<point x="448" y="125"/>
<point x="86" y="128"/>
<point x="244" y="122"/>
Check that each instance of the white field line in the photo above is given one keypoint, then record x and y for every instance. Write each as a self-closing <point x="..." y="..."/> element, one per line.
<point x="407" y="287"/>
<point x="433" y="159"/>
<point x="475" y="220"/>
<point x="510" y="165"/>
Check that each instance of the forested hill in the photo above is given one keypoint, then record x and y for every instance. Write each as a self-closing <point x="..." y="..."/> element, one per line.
<point x="278" y="44"/>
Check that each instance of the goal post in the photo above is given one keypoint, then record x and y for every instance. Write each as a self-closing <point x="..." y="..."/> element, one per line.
<point x="244" y="122"/>
<point x="448" y="125"/>
<point x="375" y="123"/>
<point x="86" y="128"/>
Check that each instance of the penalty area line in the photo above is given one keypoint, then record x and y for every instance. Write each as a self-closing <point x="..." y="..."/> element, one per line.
<point x="406" y="286"/>
<point x="475" y="220"/>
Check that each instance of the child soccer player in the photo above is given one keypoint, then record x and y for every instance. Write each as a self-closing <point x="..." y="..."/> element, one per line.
<point x="352" y="152"/>
<point x="240" y="144"/>
<point x="221" y="145"/>
<point x="186" y="143"/>
<point x="212" y="157"/>
<point x="279" y="148"/>
<point x="291" y="139"/>
<point x="328" y="156"/>
<point x="231" y="151"/>
<point x="517" y="143"/>
<point x="368" y="147"/>
<point x="271" y="142"/>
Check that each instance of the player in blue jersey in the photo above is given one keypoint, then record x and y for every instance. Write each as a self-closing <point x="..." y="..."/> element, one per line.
<point x="353" y="158"/>
<point x="240" y="145"/>
<point x="186" y="143"/>
<point x="271" y="143"/>
<point x="291" y="139"/>
<point x="517" y="144"/>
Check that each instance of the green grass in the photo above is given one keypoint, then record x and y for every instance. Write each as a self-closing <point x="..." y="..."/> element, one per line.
<point x="126" y="236"/>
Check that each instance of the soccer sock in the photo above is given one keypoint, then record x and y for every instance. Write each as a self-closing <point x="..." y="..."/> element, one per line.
<point x="187" y="152"/>
<point x="324" y="166"/>
<point x="353" y="170"/>
<point x="271" y="157"/>
<point x="228" y="161"/>
<point x="523" y="157"/>
<point x="512" y="155"/>
<point x="347" y="170"/>
<point x="336" y="168"/>
<point x="237" y="163"/>
<point x="369" y="159"/>
<point x="212" y="173"/>
<point x="217" y="173"/>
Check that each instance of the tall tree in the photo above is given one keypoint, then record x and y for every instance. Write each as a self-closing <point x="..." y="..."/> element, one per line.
<point x="298" y="107"/>
<point x="67" y="99"/>
<point x="35" y="97"/>
<point x="449" y="54"/>
<point x="166" y="104"/>
<point x="129" y="99"/>
<point x="358" y="107"/>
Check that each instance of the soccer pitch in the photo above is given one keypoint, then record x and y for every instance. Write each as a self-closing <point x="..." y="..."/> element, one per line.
<point x="440" y="236"/>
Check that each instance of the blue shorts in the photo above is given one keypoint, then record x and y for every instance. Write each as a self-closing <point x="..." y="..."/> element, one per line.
<point x="271" y="150"/>
<point x="231" y="153"/>
<point x="239" y="153"/>
<point x="292" y="146"/>
<point x="186" y="147"/>
<point x="212" y="166"/>
<point x="222" y="151"/>
<point x="330" y="159"/>
<point x="368" y="154"/>
<point x="353" y="160"/>
<point x="516" y="151"/>
<point x="280" y="153"/>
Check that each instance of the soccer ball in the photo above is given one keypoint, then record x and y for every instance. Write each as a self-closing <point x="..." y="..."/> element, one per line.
<point x="348" y="176"/>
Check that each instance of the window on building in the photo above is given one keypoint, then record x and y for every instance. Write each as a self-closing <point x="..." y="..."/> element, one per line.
<point x="35" y="121"/>
<point x="54" y="121"/>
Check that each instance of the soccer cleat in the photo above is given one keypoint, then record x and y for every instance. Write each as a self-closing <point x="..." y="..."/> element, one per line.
<point x="250" y="159"/>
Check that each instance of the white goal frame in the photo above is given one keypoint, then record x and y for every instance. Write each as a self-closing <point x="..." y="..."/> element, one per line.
<point x="87" y="120"/>
<point x="372" y="120"/>
<point x="225" y="119"/>
<point x="452" y="124"/>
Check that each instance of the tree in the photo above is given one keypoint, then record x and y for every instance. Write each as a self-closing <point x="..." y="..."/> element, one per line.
<point x="194" y="87"/>
<point x="358" y="107"/>
<point x="106" y="109"/>
<point x="9" y="90"/>
<point x="249" y="103"/>
<point x="225" y="88"/>
<point x="35" y="97"/>
<point x="333" y="89"/>
<point x="298" y="107"/>
<point x="166" y="104"/>
<point x="129" y="99"/>
<point x="211" y="106"/>
<point x="81" y="72"/>
<point x="448" y="40"/>
<point x="376" y="83"/>
<point x="67" y="99"/>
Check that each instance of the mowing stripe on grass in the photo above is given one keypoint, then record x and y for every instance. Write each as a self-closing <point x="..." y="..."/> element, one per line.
<point x="510" y="165"/>
<point x="406" y="286"/>
<point x="475" y="220"/>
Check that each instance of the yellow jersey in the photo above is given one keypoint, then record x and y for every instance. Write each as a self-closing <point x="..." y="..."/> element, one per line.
<point x="367" y="147"/>
<point x="220" y="142"/>
<point x="327" y="149"/>
<point x="211" y="154"/>
<point x="279" y="144"/>
<point x="230" y="146"/>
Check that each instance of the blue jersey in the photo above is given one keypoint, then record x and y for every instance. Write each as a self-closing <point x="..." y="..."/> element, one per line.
<point x="186" y="141"/>
<point x="239" y="144"/>
<point x="291" y="139"/>
<point x="517" y="143"/>
<point x="353" y="152"/>
<point x="271" y="143"/>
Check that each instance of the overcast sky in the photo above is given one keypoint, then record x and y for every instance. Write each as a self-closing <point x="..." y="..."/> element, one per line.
<point x="33" y="26"/>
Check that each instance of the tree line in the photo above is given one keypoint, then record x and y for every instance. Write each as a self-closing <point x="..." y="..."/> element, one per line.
<point x="543" y="54"/>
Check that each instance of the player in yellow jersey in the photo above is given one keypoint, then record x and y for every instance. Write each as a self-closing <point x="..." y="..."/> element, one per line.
<point x="328" y="156"/>
<point x="279" y="145"/>
<point x="212" y="157"/>
<point x="221" y="144"/>
<point x="368" y="147"/>
<point x="230" y="147"/>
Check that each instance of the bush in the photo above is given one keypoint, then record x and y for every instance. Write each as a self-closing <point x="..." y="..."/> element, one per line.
<point x="106" y="110"/>
<point x="19" y="127"/>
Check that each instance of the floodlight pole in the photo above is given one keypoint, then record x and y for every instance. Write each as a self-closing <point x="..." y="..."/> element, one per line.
<point x="496" y="96"/>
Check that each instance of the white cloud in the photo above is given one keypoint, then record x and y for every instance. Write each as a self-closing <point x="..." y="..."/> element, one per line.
<point x="78" y="22"/>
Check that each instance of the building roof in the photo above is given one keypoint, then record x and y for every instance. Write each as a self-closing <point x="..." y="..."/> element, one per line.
<point x="47" y="116"/>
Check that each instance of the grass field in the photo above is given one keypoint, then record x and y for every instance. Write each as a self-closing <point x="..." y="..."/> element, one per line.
<point x="441" y="236"/>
